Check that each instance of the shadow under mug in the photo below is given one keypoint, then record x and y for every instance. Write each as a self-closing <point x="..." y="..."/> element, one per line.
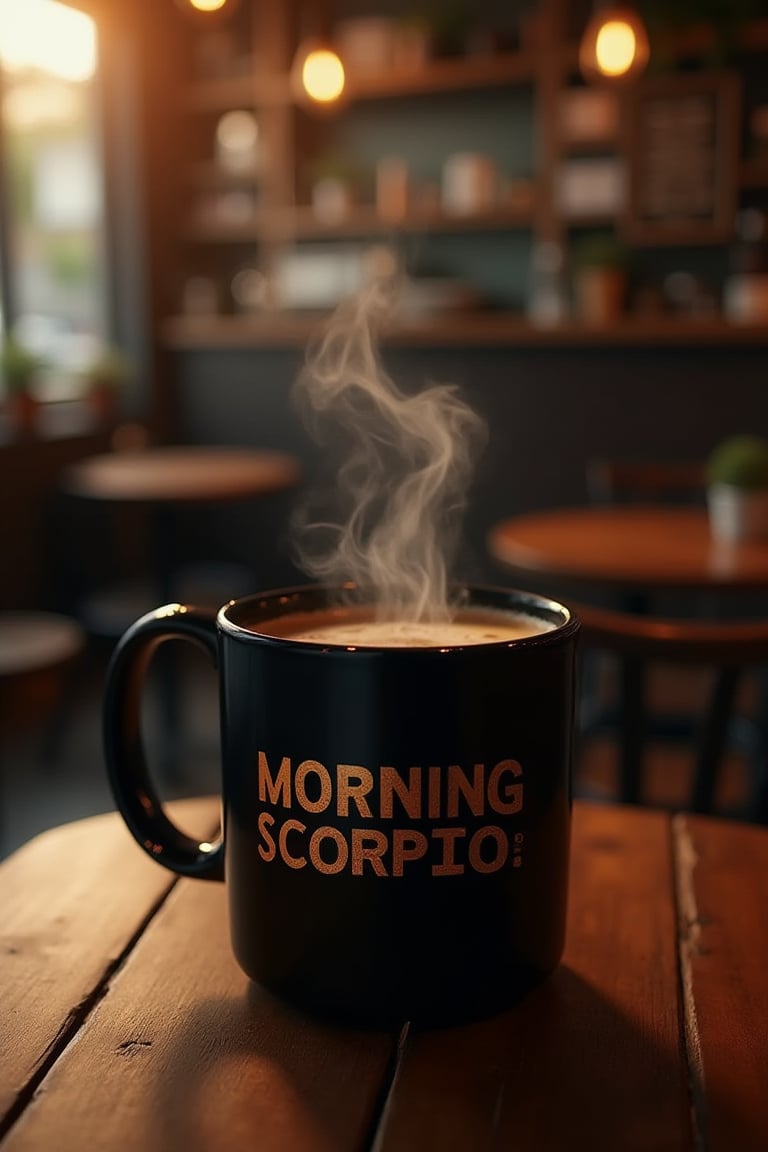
<point x="396" y="820"/>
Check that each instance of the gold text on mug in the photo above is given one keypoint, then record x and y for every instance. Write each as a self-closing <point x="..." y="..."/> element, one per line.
<point x="431" y="793"/>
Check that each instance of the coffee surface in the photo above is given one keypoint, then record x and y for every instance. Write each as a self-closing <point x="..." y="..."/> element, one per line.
<point x="356" y="627"/>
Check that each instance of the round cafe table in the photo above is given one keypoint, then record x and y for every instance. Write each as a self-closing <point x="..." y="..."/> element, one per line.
<point x="636" y="549"/>
<point x="182" y="474"/>
<point x="162" y="479"/>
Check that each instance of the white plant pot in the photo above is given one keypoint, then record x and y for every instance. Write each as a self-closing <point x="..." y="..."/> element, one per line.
<point x="737" y="514"/>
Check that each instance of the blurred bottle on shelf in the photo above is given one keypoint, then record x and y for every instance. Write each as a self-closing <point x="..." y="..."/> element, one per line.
<point x="745" y="298"/>
<point x="547" y="295"/>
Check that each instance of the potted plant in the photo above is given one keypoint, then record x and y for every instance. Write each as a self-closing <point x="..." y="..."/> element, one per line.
<point x="600" y="279"/>
<point x="104" y="376"/>
<point x="737" y="493"/>
<point x="19" y="368"/>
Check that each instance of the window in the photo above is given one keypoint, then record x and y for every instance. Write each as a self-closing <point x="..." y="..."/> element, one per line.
<point x="52" y="188"/>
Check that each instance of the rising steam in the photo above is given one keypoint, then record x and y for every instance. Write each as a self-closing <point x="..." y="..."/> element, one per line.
<point x="405" y="464"/>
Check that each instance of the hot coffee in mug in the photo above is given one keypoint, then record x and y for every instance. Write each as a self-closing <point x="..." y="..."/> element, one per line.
<point x="363" y="628"/>
<point x="396" y="797"/>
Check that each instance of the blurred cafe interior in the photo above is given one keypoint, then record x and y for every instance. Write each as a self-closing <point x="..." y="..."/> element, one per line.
<point x="572" y="202"/>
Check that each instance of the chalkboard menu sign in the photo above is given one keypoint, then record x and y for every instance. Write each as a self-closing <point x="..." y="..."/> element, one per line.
<point x="683" y="157"/>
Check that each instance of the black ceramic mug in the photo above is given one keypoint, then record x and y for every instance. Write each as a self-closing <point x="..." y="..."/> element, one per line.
<point x="396" y="819"/>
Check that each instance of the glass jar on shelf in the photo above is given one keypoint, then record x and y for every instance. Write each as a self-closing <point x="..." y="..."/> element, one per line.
<point x="547" y="294"/>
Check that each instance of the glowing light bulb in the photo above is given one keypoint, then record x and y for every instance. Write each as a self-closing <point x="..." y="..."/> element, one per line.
<point x="208" y="5"/>
<point x="322" y="76"/>
<point x="615" y="48"/>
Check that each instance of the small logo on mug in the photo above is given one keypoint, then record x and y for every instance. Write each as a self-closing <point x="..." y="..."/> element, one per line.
<point x="425" y="795"/>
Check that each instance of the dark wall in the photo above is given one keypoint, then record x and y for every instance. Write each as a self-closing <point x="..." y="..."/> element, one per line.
<point x="548" y="412"/>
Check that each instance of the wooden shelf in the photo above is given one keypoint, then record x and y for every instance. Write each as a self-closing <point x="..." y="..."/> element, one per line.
<point x="219" y="232"/>
<point x="481" y="329"/>
<point x="598" y="146"/>
<point x="207" y="174"/>
<point x="754" y="173"/>
<point x="584" y="220"/>
<point x="302" y="224"/>
<point x="275" y="225"/>
<point x="700" y="39"/>
<point x="449" y="75"/>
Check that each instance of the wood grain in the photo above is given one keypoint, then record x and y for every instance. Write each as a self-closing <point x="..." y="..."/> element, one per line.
<point x="60" y="934"/>
<point x="591" y="1059"/>
<point x="123" y="1007"/>
<point x="184" y="1053"/>
<point x="724" y="943"/>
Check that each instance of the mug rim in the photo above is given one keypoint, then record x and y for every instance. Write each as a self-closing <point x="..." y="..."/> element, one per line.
<point x="286" y="601"/>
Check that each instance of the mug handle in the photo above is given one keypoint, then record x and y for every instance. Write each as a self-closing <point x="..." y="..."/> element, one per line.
<point x="134" y="793"/>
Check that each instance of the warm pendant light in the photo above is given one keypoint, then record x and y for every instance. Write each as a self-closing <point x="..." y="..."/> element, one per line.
<point x="317" y="75"/>
<point x="210" y="9"/>
<point x="614" y="46"/>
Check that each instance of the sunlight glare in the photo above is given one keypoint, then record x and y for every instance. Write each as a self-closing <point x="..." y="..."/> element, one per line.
<point x="29" y="105"/>
<point x="49" y="36"/>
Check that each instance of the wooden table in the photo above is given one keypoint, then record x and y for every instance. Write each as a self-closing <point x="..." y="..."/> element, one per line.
<point x="126" y="1023"/>
<point x="648" y="548"/>
<point x="162" y="479"/>
<point x="33" y="641"/>
<point x="182" y="474"/>
<point x="637" y="551"/>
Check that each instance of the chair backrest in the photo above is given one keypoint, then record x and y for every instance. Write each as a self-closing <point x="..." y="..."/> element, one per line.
<point x="644" y="481"/>
<point x="729" y="648"/>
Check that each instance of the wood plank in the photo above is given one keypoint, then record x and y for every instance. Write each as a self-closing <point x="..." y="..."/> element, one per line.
<point x="723" y="881"/>
<point x="451" y="74"/>
<point x="183" y="1052"/>
<point x="302" y="223"/>
<point x="57" y="942"/>
<point x="591" y="1059"/>
<point x="470" y="329"/>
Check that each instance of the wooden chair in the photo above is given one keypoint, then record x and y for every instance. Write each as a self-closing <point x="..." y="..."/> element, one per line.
<point x="613" y="481"/>
<point x="730" y="649"/>
<point x="36" y="648"/>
